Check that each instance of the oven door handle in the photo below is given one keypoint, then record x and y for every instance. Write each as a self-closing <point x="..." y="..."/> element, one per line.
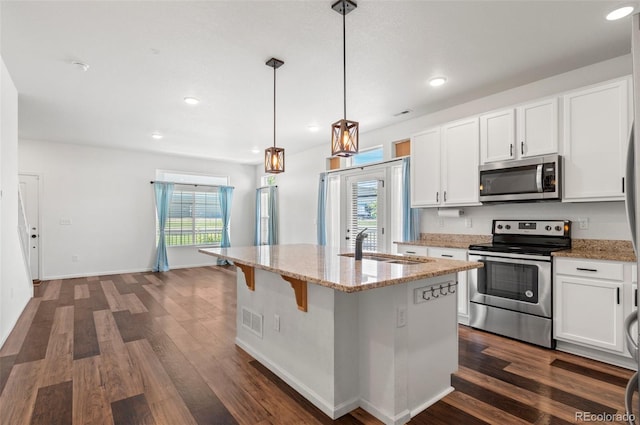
<point x="539" y="177"/>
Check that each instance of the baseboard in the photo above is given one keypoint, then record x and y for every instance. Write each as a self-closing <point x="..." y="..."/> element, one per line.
<point x="594" y="354"/>
<point x="384" y="417"/>
<point x="417" y="410"/>
<point x="327" y="408"/>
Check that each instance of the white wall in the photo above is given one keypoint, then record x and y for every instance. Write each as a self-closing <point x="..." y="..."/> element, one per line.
<point x="15" y="285"/>
<point x="607" y="220"/>
<point x="108" y="198"/>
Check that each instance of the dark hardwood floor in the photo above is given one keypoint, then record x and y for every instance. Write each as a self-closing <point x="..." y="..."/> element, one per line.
<point x="158" y="348"/>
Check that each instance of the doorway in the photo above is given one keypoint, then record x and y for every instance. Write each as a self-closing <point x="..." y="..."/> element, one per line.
<point x="30" y="190"/>
<point x="365" y="210"/>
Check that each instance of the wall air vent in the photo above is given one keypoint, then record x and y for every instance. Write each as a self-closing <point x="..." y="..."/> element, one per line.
<point x="252" y="321"/>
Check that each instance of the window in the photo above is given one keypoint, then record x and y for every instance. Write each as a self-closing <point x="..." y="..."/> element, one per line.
<point x="195" y="216"/>
<point x="368" y="156"/>
<point x="268" y="180"/>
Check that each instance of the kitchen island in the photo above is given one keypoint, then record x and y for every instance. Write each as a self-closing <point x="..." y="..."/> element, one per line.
<point x="380" y="333"/>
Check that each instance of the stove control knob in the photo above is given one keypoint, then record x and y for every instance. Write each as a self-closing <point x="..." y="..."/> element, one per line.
<point x="499" y="226"/>
<point x="508" y="226"/>
<point x="558" y="228"/>
<point x="547" y="228"/>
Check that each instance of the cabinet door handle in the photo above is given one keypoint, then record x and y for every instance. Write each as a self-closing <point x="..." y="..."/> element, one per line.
<point x="521" y="148"/>
<point x="409" y="252"/>
<point x="437" y="196"/>
<point x="586" y="270"/>
<point x="447" y="255"/>
<point x="618" y="295"/>
<point x="623" y="185"/>
<point x="635" y="297"/>
<point x="445" y="196"/>
<point x="511" y="149"/>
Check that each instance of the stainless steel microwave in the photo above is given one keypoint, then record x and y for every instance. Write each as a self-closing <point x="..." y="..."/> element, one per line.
<point x="533" y="179"/>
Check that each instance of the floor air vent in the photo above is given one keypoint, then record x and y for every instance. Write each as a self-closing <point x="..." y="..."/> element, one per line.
<point x="252" y="321"/>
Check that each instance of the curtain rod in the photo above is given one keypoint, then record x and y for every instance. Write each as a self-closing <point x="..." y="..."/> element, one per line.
<point x="267" y="187"/>
<point x="192" y="184"/>
<point x="373" y="164"/>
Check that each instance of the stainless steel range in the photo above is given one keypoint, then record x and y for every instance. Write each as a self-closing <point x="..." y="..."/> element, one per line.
<point x="511" y="295"/>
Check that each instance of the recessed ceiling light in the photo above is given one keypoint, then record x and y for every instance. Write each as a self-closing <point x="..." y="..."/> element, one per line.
<point x="313" y="128"/>
<point x="80" y="66"/>
<point x="191" y="100"/>
<point x="437" y="81"/>
<point x="156" y="136"/>
<point x="619" y="13"/>
<point x="255" y="150"/>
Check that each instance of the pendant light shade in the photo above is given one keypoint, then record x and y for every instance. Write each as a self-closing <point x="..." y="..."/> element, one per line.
<point x="344" y="133"/>
<point x="274" y="156"/>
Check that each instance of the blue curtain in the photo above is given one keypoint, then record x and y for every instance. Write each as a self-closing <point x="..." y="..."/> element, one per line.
<point x="322" y="207"/>
<point x="225" y="193"/>
<point x="163" y="199"/>
<point x="256" y="235"/>
<point x="272" y="238"/>
<point x="410" y="216"/>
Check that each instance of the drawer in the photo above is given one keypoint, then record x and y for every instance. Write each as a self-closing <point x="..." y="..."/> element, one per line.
<point x="590" y="268"/>
<point x="454" y="254"/>
<point x="412" y="250"/>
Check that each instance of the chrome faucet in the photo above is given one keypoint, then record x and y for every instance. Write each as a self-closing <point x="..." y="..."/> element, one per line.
<point x="359" y="239"/>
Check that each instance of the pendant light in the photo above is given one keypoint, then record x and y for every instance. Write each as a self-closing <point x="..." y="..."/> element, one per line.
<point x="274" y="157"/>
<point x="344" y="133"/>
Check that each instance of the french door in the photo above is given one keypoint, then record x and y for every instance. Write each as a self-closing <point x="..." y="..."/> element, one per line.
<point x="365" y="210"/>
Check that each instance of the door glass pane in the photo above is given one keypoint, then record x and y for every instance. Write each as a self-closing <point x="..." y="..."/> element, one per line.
<point x="364" y="213"/>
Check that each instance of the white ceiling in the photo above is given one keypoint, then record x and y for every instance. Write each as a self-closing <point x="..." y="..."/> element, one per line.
<point x="146" y="56"/>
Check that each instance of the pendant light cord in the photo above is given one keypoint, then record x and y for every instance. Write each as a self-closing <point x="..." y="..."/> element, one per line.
<point x="274" y="106"/>
<point x="344" y="57"/>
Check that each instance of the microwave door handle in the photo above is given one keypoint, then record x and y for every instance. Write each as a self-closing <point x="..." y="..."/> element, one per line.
<point x="539" y="177"/>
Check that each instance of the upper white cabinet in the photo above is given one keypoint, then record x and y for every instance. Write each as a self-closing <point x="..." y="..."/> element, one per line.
<point x="460" y="163"/>
<point x="528" y="130"/>
<point x="444" y="165"/>
<point x="425" y="168"/>
<point x="596" y="131"/>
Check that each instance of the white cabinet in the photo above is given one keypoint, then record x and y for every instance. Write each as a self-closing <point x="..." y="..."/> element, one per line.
<point x="460" y="163"/>
<point x="449" y="253"/>
<point x="425" y="168"/>
<point x="596" y="131"/>
<point x="444" y="165"/>
<point x="588" y="303"/>
<point x="527" y="130"/>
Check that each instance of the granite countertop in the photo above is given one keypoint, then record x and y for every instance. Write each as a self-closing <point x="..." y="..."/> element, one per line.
<point x="326" y="267"/>
<point x="599" y="249"/>
<point x="448" y="240"/>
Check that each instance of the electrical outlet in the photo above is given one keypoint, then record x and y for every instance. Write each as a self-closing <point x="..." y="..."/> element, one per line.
<point x="74" y="258"/>
<point x="467" y="222"/>
<point x="583" y="223"/>
<point x="401" y="319"/>
<point x="276" y="322"/>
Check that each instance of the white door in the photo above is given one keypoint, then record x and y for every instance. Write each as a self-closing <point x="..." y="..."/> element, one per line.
<point x="365" y="210"/>
<point x="497" y="136"/>
<point x="29" y="187"/>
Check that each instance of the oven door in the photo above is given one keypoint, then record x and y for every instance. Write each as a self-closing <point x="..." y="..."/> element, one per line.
<point x="516" y="284"/>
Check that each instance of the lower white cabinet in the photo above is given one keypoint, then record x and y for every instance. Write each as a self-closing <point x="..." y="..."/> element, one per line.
<point x="453" y="254"/>
<point x="589" y="303"/>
